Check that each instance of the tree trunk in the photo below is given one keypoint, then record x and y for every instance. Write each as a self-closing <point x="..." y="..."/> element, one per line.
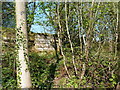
<point x="68" y="33"/>
<point x="118" y="27"/>
<point x="118" y="42"/>
<point x="23" y="74"/>
<point x="1" y="48"/>
<point x="60" y="41"/>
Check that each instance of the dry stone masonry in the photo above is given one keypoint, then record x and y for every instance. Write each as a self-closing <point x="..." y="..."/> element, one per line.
<point x="44" y="42"/>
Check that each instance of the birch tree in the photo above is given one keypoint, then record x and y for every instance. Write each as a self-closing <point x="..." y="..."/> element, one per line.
<point x="71" y="45"/>
<point x="23" y="74"/>
<point x="59" y="39"/>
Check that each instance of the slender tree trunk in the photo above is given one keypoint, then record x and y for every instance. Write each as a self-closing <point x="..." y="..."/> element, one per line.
<point x="79" y="12"/>
<point x="1" y="48"/>
<point x="23" y="74"/>
<point x="118" y="26"/>
<point x="66" y="19"/>
<point x="59" y="40"/>
<point x="117" y="46"/>
<point x="89" y="33"/>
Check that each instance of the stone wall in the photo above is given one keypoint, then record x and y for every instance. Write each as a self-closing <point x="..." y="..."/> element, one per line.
<point x="44" y="42"/>
<point x="37" y="41"/>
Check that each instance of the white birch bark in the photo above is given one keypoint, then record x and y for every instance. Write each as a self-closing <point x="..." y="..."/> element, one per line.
<point x="71" y="45"/>
<point x="60" y="42"/>
<point x="23" y="74"/>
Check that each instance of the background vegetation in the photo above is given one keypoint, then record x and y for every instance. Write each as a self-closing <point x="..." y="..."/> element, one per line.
<point x="88" y="37"/>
